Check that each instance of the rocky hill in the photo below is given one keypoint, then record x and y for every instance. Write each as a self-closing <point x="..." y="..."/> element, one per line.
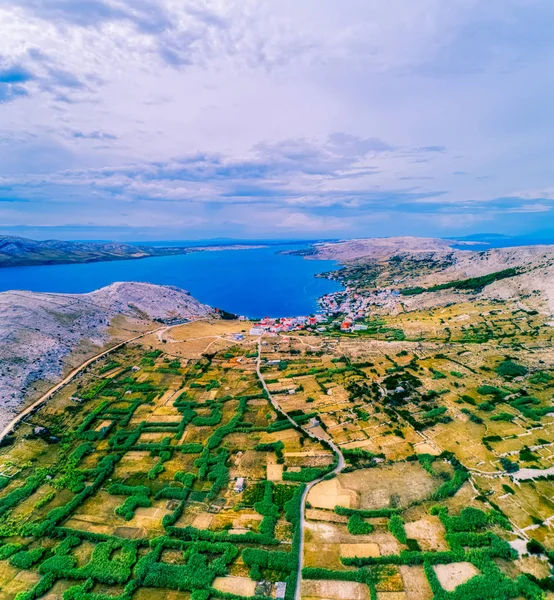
<point x="404" y="274"/>
<point x="377" y="248"/>
<point x="18" y="251"/>
<point x="41" y="335"/>
<point x="22" y="252"/>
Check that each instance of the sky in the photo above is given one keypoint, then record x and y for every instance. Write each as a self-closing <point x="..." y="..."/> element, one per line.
<point x="288" y="119"/>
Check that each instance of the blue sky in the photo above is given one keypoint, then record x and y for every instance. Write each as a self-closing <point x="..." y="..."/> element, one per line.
<point x="166" y="119"/>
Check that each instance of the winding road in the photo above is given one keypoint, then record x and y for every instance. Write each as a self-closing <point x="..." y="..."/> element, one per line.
<point x="340" y="466"/>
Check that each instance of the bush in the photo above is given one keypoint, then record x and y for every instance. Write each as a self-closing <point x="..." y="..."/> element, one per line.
<point x="8" y="550"/>
<point x="509" y="369"/>
<point x="26" y="558"/>
<point x="535" y="547"/>
<point x="128" y="508"/>
<point x="449" y="488"/>
<point x="367" y="514"/>
<point x="503" y="416"/>
<point x="306" y="475"/>
<point x="396" y="527"/>
<point x="508" y="465"/>
<point x="357" y="526"/>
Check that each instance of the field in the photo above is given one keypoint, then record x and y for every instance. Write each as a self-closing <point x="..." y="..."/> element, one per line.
<point x="164" y="471"/>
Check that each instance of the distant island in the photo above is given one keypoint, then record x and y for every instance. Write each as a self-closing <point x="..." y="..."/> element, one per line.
<point x="21" y="252"/>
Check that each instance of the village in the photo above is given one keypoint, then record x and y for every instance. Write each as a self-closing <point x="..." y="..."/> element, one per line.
<point x="347" y="309"/>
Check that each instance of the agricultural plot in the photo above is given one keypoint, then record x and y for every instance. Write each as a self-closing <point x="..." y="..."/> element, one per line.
<point x="148" y="477"/>
<point x="168" y="471"/>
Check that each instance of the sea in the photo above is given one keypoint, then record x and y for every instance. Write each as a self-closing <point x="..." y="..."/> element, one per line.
<point x="254" y="282"/>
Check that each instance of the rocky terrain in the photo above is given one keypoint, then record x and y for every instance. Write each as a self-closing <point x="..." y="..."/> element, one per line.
<point x="41" y="334"/>
<point x="372" y="265"/>
<point x="377" y="248"/>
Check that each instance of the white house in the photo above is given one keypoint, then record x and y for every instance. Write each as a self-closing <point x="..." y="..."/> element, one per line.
<point x="280" y="589"/>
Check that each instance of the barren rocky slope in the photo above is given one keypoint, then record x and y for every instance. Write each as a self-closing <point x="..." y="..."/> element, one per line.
<point x="378" y="247"/>
<point x="40" y="334"/>
<point x="399" y="263"/>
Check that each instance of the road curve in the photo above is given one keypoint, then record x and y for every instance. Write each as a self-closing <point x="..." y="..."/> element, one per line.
<point x="18" y="418"/>
<point x="340" y="466"/>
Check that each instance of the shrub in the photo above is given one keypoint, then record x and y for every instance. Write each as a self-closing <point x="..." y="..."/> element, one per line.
<point x="503" y="416"/>
<point x="535" y="547"/>
<point x="8" y="550"/>
<point x="509" y="369"/>
<point x="26" y="558"/>
<point x="396" y="527"/>
<point x="357" y="526"/>
<point x="305" y="475"/>
<point x="508" y="465"/>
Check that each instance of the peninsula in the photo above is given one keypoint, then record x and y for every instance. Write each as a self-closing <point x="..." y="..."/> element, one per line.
<point x="19" y="252"/>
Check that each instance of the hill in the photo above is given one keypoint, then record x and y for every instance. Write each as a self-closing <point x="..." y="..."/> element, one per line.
<point x="18" y="251"/>
<point x="43" y="335"/>
<point x="21" y="252"/>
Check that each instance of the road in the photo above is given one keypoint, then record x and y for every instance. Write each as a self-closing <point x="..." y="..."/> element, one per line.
<point x="340" y="466"/>
<point x="16" y="420"/>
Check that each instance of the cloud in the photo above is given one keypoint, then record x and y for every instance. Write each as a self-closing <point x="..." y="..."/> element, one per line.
<point x="302" y="222"/>
<point x="11" y="79"/>
<point x="93" y="135"/>
<point x="147" y="16"/>
<point x="9" y="92"/>
<point x="238" y="114"/>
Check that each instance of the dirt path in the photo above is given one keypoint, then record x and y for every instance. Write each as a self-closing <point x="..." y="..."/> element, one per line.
<point x="340" y="465"/>
<point x="17" y="419"/>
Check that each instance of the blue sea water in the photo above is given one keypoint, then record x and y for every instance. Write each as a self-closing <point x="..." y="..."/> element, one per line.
<point x="254" y="282"/>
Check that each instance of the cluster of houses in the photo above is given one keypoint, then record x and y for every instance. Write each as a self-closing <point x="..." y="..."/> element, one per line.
<point x="354" y="306"/>
<point x="269" y="325"/>
<point x="351" y="306"/>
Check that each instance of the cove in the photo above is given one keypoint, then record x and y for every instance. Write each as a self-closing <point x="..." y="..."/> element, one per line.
<point x="253" y="282"/>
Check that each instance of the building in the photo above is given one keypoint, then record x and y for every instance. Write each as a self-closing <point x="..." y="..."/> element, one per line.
<point x="240" y="484"/>
<point x="280" y="589"/>
<point x="256" y="331"/>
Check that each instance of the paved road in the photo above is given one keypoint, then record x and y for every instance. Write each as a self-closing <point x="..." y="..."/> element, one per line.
<point x="340" y="466"/>
<point x="9" y="427"/>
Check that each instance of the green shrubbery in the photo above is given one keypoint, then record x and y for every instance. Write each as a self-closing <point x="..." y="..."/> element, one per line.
<point x="305" y="475"/>
<point x="509" y="369"/>
<point x="366" y="514"/>
<point x="396" y="527"/>
<point x="471" y="284"/>
<point x="25" y="559"/>
<point x="357" y="526"/>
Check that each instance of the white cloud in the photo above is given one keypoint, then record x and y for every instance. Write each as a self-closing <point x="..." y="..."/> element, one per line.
<point x="333" y="108"/>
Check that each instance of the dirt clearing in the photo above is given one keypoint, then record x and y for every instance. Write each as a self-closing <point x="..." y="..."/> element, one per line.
<point x="452" y="575"/>
<point x="334" y="590"/>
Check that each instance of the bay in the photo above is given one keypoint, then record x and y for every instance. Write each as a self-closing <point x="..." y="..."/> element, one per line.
<point x="253" y="282"/>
